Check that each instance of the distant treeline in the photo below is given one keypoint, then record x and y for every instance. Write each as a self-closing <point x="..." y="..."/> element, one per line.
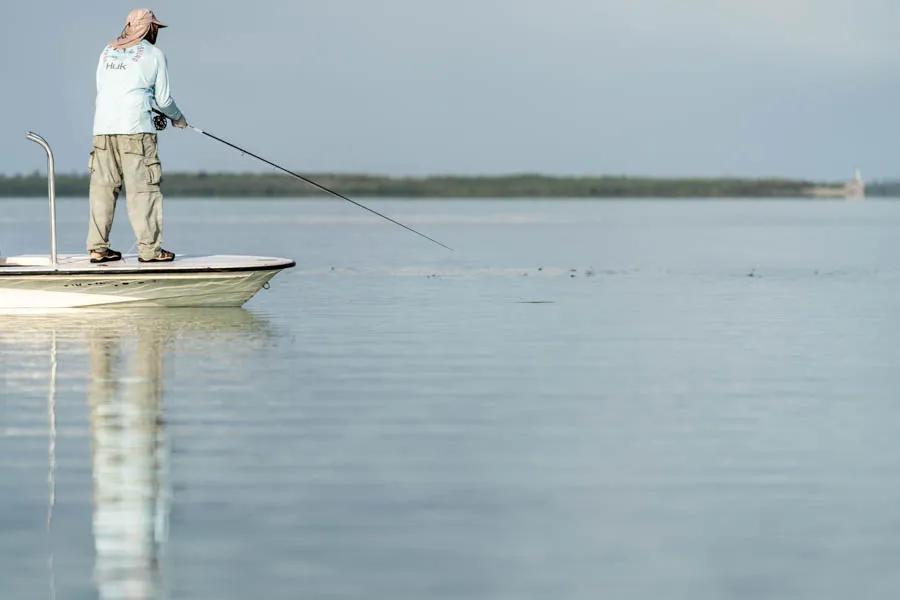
<point x="884" y="188"/>
<point x="511" y="186"/>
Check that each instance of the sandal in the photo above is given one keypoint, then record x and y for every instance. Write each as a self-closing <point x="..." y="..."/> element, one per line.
<point x="163" y="256"/>
<point x="105" y="255"/>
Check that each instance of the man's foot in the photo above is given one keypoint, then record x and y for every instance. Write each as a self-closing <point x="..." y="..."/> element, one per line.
<point x="105" y="255"/>
<point x="163" y="256"/>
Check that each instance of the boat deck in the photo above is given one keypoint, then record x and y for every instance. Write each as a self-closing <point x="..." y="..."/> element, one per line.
<point x="80" y="264"/>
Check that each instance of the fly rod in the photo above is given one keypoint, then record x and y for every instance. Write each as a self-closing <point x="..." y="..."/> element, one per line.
<point x="313" y="183"/>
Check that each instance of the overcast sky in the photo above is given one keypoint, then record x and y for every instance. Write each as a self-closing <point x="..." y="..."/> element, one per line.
<point x="799" y="88"/>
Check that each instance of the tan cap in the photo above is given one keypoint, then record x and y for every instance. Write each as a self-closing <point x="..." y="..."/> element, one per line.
<point x="137" y="24"/>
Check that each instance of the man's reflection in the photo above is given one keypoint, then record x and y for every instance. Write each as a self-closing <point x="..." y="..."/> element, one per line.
<point x="129" y="458"/>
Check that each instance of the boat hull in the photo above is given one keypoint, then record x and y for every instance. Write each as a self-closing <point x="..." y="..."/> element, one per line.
<point x="200" y="282"/>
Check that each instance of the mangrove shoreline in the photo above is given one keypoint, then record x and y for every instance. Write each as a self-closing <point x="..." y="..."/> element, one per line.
<point x="226" y="185"/>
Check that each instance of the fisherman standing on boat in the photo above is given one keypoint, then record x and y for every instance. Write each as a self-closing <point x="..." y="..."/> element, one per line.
<point x="132" y="79"/>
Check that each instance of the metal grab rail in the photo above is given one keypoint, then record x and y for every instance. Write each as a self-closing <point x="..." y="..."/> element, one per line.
<point x="51" y="190"/>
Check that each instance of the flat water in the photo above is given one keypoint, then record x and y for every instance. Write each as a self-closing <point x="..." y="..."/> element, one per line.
<point x="622" y="399"/>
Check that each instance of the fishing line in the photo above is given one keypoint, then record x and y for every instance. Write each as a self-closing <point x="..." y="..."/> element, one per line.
<point x="313" y="183"/>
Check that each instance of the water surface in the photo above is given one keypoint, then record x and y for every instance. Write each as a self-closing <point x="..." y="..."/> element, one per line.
<point x="623" y="399"/>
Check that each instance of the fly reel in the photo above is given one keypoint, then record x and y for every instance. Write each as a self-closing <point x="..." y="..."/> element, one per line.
<point x="160" y="122"/>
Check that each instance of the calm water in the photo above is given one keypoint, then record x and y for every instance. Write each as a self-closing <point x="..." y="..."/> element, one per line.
<point x="641" y="399"/>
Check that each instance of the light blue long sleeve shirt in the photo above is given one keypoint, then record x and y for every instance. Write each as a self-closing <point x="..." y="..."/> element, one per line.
<point x="129" y="83"/>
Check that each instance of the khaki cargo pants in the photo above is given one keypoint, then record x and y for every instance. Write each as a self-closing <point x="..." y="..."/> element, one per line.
<point x="134" y="161"/>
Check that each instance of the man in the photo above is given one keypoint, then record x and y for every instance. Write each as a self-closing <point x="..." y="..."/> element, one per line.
<point x="131" y="79"/>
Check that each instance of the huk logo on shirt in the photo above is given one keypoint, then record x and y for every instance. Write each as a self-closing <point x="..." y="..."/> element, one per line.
<point x="116" y="66"/>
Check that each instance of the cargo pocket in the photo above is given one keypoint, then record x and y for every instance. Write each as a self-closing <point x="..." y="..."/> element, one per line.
<point x="98" y="143"/>
<point x="154" y="171"/>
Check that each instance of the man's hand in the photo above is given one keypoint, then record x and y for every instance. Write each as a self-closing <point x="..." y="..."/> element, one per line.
<point x="180" y="123"/>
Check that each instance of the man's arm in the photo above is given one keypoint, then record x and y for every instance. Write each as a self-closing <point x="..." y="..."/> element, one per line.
<point x="163" y="98"/>
<point x="99" y="69"/>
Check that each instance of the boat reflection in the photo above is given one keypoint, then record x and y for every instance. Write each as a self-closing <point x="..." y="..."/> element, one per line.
<point x="127" y="352"/>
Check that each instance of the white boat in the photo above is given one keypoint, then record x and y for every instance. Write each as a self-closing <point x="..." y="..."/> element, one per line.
<point x="33" y="282"/>
<point x="72" y="281"/>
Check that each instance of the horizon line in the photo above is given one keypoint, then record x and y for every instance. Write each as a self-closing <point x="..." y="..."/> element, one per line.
<point x="446" y="175"/>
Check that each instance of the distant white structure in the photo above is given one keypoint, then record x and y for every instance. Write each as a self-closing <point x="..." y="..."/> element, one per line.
<point x="856" y="189"/>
